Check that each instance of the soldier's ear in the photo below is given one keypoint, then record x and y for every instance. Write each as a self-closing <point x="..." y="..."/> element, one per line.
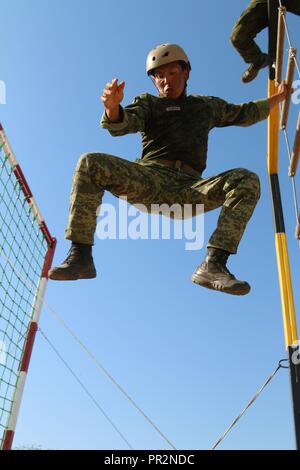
<point x="153" y="81"/>
<point x="186" y="74"/>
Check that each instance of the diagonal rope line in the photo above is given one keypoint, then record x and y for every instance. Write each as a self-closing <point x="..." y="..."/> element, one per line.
<point x="111" y="378"/>
<point x="97" y="362"/>
<point x="289" y="153"/>
<point x="23" y="240"/>
<point x="280" y="366"/>
<point x="286" y="136"/>
<point x="84" y="388"/>
<point x="289" y="39"/>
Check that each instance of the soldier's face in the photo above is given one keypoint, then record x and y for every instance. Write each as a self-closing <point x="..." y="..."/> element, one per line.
<point x="170" y="80"/>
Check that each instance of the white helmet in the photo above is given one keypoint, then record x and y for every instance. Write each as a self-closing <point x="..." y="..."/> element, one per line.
<point x="165" y="54"/>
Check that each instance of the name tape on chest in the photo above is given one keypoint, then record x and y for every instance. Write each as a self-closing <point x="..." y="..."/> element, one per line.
<point x="173" y="108"/>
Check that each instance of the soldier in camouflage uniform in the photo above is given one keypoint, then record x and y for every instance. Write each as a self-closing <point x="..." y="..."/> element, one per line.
<point x="253" y="20"/>
<point x="174" y="129"/>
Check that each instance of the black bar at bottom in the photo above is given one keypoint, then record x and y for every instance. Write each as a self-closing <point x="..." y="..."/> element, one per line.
<point x="294" y="359"/>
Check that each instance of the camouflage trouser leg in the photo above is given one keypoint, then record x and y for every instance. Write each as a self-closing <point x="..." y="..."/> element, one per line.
<point x="253" y="20"/>
<point x="292" y="5"/>
<point x="97" y="172"/>
<point x="238" y="191"/>
<point x="149" y="183"/>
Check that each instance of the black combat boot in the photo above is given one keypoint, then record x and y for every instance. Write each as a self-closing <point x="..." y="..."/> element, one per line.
<point x="79" y="264"/>
<point x="213" y="274"/>
<point x="253" y="69"/>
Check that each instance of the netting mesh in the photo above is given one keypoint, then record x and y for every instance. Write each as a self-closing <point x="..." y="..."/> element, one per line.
<point x="22" y="252"/>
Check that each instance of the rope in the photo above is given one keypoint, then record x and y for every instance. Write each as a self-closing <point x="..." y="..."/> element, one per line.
<point x="111" y="378"/>
<point x="96" y="361"/>
<point x="84" y="388"/>
<point x="22" y="240"/>
<point x="289" y="153"/>
<point x="280" y="366"/>
<point x="289" y="40"/>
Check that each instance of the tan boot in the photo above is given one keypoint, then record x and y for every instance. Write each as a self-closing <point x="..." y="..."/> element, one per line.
<point x="213" y="274"/>
<point x="253" y="69"/>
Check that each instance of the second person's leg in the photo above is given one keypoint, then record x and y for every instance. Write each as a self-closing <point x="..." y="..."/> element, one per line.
<point x="253" y="20"/>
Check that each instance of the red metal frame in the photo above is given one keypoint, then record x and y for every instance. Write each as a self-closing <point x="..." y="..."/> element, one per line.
<point x="33" y="325"/>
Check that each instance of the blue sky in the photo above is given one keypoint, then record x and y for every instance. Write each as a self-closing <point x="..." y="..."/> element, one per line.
<point x="190" y="357"/>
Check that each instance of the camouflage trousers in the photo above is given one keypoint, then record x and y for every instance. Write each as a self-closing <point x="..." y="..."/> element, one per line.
<point x="253" y="20"/>
<point x="144" y="182"/>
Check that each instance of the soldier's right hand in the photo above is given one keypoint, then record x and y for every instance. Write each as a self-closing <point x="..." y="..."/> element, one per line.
<point x="113" y="94"/>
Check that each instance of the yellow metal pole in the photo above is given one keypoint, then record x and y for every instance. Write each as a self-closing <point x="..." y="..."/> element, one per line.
<point x="273" y="131"/>
<point x="285" y="283"/>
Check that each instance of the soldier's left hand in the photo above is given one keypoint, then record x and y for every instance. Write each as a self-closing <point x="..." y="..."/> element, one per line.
<point x="282" y="91"/>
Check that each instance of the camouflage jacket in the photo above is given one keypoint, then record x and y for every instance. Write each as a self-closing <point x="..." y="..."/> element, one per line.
<point x="178" y="129"/>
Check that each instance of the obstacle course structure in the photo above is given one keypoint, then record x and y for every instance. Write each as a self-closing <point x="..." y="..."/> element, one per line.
<point x="26" y="253"/>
